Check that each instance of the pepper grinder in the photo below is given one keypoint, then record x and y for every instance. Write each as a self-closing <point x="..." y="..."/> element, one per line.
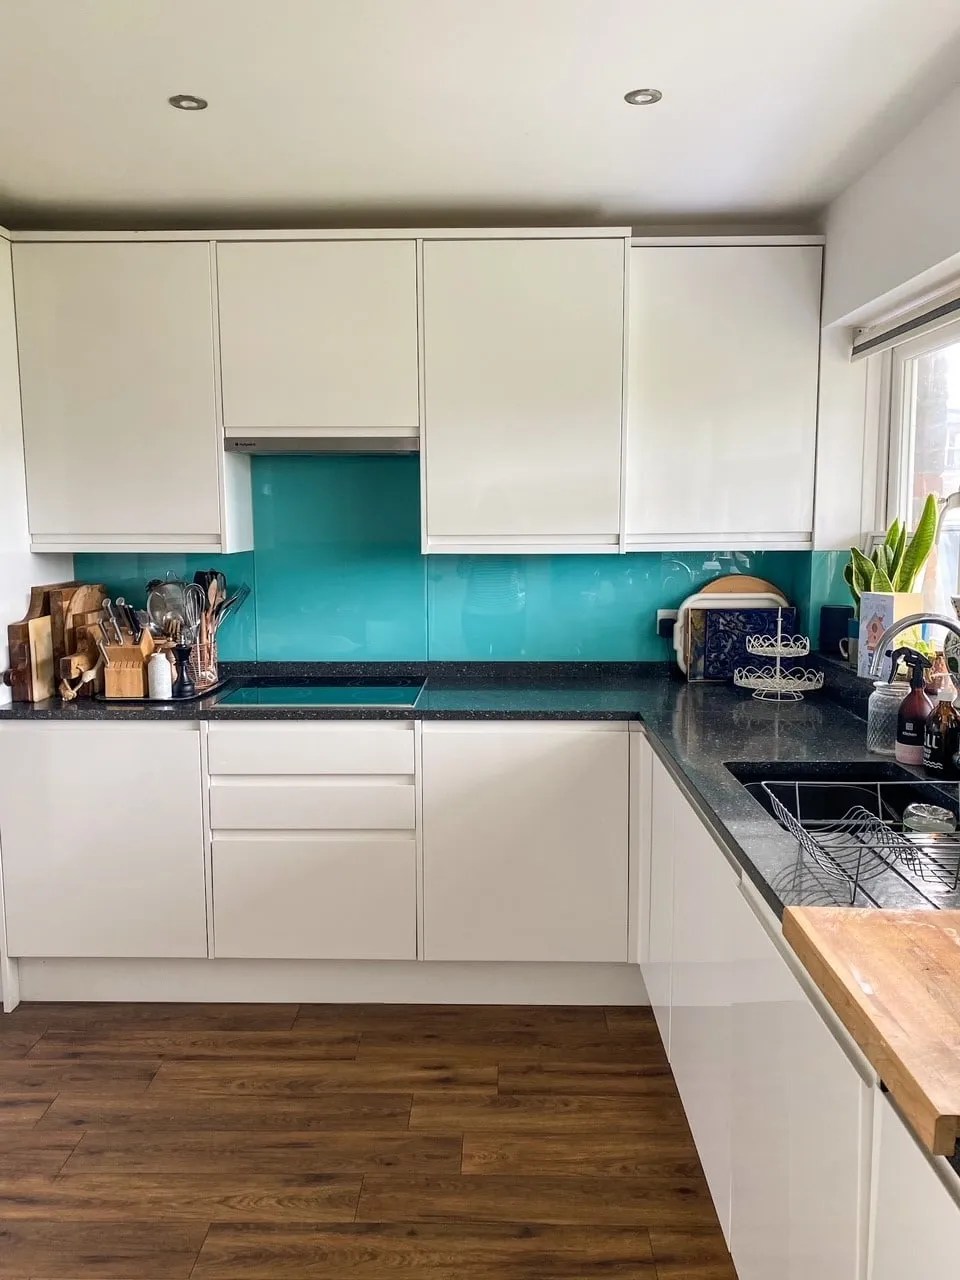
<point x="183" y="686"/>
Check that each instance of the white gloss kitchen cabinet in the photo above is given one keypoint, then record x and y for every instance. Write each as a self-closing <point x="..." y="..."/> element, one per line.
<point x="779" y="1106"/>
<point x="101" y="827"/>
<point x="122" y="441"/>
<point x="319" y="338"/>
<point x="723" y="370"/>
<point x="523" y="393"/>
<point x="525" y="841"/>
<point x="314" y="853"/>
<point x="916" y="1219"/>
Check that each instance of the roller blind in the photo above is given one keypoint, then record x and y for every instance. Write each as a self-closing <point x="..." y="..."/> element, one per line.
<point x="923" y="315"/>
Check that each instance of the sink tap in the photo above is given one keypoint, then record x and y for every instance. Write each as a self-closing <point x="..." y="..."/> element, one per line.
<point x="904" y="624"/>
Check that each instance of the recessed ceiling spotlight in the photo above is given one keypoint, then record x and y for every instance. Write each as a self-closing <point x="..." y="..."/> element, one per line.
<point x="642" y="97"/>
<point x="188" y="102"/>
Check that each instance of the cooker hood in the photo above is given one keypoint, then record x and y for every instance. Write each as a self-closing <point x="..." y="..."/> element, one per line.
<point x="324" y="440"/>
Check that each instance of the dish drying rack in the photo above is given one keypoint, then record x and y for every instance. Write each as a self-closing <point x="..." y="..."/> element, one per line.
<point x="778" y="683"/>
<point x="867" y="842"/>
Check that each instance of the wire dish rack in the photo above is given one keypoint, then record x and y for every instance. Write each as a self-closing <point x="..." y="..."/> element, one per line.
<point x="868" y="839"/>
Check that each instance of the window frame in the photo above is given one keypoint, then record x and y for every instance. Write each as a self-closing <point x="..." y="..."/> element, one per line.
<point x="897" y="371"/>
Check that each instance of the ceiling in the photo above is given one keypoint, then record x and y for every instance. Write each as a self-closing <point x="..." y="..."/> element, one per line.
<point x="393" y="112"/>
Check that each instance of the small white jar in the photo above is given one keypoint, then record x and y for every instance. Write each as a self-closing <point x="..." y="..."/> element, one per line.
<point x="159" y="677"/>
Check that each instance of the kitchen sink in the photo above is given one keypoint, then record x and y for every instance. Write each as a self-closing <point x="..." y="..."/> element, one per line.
<point x="851" y="821"/>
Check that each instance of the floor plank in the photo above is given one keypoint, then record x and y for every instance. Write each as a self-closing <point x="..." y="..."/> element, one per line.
<point x="145" y="1042"/>
<point x="608" y="1154"/>
<point x="205" y="1197"/>
<point x="31" y="1075"/>
<point x="624" y="1202"/>
<point x="26" y="1151"/>
<point x="99" y="1250"/>
<point x="472" y="1022"/>
<point x="350" y="1111"/>
<point x="255" y="1080"/>
<point x="648" y="1073"/>
<point x="91" y="1016"/>
<point x="451" y="1251"/>
<point x="23" y="1109"/>
<point x="16" y="1040"/>
<point x="448" y="1111"/>
<point x="691" y="1255"/>
<point x="387" y="1046"/>
<point x="126" y="1151"/>
<point x="633" y="1020"/>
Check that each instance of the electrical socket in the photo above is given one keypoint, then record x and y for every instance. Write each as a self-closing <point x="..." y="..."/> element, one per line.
<point x="666" y="619"/>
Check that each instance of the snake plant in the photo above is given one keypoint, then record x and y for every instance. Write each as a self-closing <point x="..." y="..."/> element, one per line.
<point x="897" y="563"/>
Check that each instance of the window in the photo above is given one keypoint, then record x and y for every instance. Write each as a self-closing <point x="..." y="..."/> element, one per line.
<point x="925" y="441"/>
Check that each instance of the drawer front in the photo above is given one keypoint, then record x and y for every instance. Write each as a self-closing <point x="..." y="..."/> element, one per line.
<point x="315" y="899"/>
<point x="339" y="748"/>
<point x="312" y="805"/>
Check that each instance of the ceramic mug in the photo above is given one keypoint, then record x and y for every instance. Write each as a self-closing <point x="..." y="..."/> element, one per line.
<point x="850" y="644"/>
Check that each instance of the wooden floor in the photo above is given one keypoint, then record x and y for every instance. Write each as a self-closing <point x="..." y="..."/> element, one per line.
<point x="231" y="1142"/>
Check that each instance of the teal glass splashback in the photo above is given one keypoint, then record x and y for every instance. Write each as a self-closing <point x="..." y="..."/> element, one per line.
<point x="337" y="575"/>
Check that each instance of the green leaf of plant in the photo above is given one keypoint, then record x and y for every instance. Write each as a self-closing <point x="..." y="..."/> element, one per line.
<point x="893" y="536"/>
<point x="882" y="560"/>
<point x="848" y="578"/>
<point x="920" y="546"/>
<point x="898" y="551"/>
<point x="863" y="569"/>
<point x="881" y="580"/>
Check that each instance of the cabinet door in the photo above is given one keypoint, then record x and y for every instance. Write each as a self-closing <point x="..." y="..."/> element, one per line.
<point x="523" y="381"/>
<point x="117" y="376"/>
<point x="706" y="909"/>
<point x="318" y="334"/>
<point x="723" y="364"/>
<point x="800" y="1132"/>
<point x="916" y="1224"/>
<point x="322" y="896"/>
<point x="525" y="842"/>
<point x="658" y="956"/>
<point x="102" y="840"/>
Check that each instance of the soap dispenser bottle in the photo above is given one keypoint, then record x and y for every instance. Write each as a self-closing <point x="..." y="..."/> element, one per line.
<point x="914" y="709"/>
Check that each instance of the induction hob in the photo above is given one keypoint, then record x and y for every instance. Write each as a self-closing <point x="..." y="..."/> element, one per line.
<point x="266" y="691"/>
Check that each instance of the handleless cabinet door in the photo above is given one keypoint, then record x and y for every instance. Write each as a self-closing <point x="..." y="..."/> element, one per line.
<point x="657" y="957"/>
<point x="318" y="334"/>
<point x="800" y="1127"/>
<point x="102" y="836"/>
<point x="120" y="432"/>
<point x="916" y="1226"/>
<point x="523" y="374"/>
<point x="722" y="420"/>
<point x="524" y="842"/>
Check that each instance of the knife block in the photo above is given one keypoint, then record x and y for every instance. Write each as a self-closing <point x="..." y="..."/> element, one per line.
<point x="125" y="672"/>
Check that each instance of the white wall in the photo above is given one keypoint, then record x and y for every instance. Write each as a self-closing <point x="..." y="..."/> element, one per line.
<point x="895" y="232"/>
<point x="19" y="570"/>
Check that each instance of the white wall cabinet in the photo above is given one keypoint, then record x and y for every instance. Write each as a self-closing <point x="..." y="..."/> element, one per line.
<point x="102" y="836"/>
<point x="722" y="418"/>
<point x="525" y="841"/>
<point x="800" y="1128"/>
<point x="122" y="442"/>
<point x="916" y="1220"/>
<point x="523" y="378"/>
<point x="319" y="337"/>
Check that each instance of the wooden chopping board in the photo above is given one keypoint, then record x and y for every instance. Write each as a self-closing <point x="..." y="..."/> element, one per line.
<point x="740" y="584"/>
<point x="893" y="979"/>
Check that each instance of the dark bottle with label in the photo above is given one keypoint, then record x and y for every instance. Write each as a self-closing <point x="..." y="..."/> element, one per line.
<point x="914" y="709"/>
<point x="941" y="736"/>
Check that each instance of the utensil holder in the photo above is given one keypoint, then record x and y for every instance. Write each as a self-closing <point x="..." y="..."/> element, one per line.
<point x="203" y="665"/>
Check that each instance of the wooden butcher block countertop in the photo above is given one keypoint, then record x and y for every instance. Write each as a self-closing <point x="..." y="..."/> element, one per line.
<point x="893" y="979"/>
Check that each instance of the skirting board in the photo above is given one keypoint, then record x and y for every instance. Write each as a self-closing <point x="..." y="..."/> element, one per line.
<point x="357" y="981"/>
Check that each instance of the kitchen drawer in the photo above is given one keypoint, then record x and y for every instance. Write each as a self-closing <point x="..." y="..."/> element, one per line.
<point x="315" y="898"/>
<point x="339" y="748"/>
<point x="309" y="804"/>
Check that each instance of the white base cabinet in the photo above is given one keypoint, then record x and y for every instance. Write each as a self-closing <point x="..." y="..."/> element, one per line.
<point x="525" y="841"/>
<point x="779" y="1112"/>
<point x="101" y="831"/>
<point x="801" y="1128"/>
<point x="916" y="1219"/>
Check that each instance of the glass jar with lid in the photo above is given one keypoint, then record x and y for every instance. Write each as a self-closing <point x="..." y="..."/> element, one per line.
<point x="882" y="712"/>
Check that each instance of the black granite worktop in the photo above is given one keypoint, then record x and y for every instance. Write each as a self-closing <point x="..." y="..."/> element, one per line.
<point x="695" y="729"/>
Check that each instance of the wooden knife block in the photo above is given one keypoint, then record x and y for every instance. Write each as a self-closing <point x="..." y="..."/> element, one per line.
<point x="125" y="672"/>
